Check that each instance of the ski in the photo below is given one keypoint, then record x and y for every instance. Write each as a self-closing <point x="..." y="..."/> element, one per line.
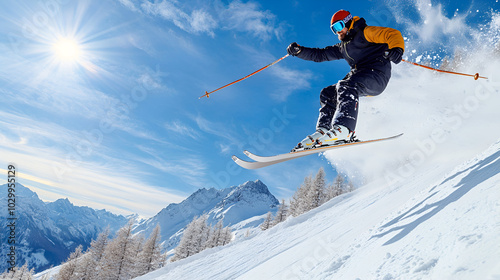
<point x="261" y="161"/>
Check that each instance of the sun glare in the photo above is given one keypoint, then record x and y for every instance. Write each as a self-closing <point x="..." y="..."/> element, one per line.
<point x="66" y="50"/>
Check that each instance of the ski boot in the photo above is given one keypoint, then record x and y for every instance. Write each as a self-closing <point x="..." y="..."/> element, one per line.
<point x="310" y="140"/>
<point x="339" y="134"/>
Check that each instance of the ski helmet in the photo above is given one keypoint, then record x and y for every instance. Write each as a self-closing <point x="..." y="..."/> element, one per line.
<point x="342" y="16"/>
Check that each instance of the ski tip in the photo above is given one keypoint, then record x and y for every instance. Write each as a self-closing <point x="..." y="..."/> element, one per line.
<point x="246" y="152"/>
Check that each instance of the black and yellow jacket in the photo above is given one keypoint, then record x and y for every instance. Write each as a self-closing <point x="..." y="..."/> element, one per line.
<point x="363" y="47"/>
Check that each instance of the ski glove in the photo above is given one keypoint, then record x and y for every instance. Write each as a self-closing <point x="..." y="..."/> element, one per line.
<point x="294" y="49"/>
<point x="395" y="55"/>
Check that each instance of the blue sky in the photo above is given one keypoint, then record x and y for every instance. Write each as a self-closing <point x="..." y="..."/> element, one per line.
<point x="117" y="123"/>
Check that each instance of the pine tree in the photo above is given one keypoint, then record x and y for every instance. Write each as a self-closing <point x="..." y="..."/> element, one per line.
<point x="120" y="255"/>
<point x="349" y="187"/>
<point x="282" y="213"/>
<point x="337" y="188"/>
<point x="19" y="273"/>
<point x="315" y="193"/>
<point x="198" y="236"/>
<point x="69" y="269"/>
<point x="83" y="267"/>
<point x="298" y="204"/>
<point x="150" y="257"/>
<point x="201" y="234"/>
<point x="91" y="261"/>
<point x="267" y="222"/>
<point x="186" y="245"/>
<point x="227" y="236"/>
<point x="215" y="235"/>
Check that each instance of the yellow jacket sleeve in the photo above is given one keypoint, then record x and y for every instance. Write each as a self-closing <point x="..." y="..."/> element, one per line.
<point x="384" y="35"/>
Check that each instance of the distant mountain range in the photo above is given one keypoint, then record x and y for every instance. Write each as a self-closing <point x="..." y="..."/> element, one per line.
<point x="48" y="232"/>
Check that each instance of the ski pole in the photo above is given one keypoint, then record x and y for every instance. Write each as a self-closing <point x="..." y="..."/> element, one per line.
<point x="207" y="94"/>
<point x="476" y="76"/>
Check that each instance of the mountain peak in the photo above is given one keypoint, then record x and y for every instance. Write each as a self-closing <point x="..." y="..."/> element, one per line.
<point x="252" y="192"/>
<point x="232" y="205"/>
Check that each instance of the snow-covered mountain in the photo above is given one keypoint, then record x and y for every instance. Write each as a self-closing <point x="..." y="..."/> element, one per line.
<point x="46" y="233"/>
<point x="233" y="205"/>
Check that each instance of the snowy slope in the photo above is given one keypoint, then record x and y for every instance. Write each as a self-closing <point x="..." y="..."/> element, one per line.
<point x="432" y="227"/>
<point x="429" y="203"/>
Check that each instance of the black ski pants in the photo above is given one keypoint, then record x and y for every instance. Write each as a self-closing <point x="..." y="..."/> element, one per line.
<point x="339" y="102"/>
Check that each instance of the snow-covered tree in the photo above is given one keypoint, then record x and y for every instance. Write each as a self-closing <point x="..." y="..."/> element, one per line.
<point x="337" y="188"/>
<point x="298" y="204"/>
<point x="349" y="187"/>
<point x="90" y="263"/>
<point x="19" y="273"/>
<point x="201" y="234"/>
<point x="267" y="222"/>
<point x="69" y="269"/>
<point x="281" y="214"/>
<point x="150" y="258"/>
<point x="120" y="255"/>
<point x="215" y="235"/>
<point x="227" y="236"/>
<point x="315" y="193"/>
<point x="188" y="244"/>
<point x="198" y="236"/>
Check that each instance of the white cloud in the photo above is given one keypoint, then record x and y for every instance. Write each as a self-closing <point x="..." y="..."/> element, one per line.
<point x="292" y="80"/>
<point x="218" y="129"/>
<point x="116" y="187"/>
<point x="190" y="168"/>
<point x="202" y="21"/>
<point x="237" y="16"/>
<point x="129" y="4"/>
<point x="198" y="21"/>
<point x="182" y="129"/>
<point x="248" y="18"/>
<point x="77" y="165"/>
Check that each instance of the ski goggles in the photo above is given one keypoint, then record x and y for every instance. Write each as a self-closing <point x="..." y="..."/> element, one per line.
<point x="340" y="24"/>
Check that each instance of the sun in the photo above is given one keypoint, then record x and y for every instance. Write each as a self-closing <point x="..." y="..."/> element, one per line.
<point x="67" y="50"/>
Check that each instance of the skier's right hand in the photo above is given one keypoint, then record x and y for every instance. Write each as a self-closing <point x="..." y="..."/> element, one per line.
<point x="395" y="55"/>
<point x="293" y="49"/>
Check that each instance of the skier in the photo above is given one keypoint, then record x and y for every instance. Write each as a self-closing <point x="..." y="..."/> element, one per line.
<point x="369" y="51"/>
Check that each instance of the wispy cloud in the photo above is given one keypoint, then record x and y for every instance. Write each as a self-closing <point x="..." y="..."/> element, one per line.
<point x="190" y="168"/>
<point x="198" y="21"/>
<point x="180" y="128"/>
<point x="114" y="187"/>
<point x="217" y="129"/>
<point x="66" y="163"/>
<point x="129" y="4"/>
<point x="292" y="80"/>
<point x="248" y="18"/>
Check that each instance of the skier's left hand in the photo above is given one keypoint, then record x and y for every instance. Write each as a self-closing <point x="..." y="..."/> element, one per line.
<point x="395" y="55"/>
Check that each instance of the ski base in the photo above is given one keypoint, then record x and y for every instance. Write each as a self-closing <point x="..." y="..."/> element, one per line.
<point x="261" y="161"/>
